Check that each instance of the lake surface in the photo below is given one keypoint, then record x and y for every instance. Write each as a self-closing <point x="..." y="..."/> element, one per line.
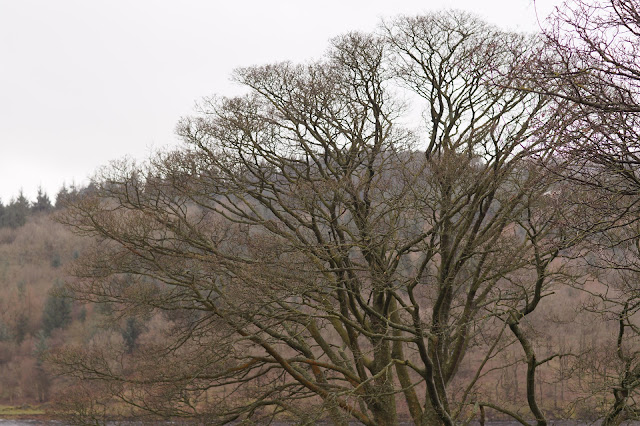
<point x="5" y="422"/>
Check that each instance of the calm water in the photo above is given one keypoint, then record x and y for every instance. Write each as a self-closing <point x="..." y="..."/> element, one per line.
<point x="27" y="423"/>
<point x="503" y="423"/>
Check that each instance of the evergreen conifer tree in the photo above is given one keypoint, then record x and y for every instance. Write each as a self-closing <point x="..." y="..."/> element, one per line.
<point x="57" y="310"/>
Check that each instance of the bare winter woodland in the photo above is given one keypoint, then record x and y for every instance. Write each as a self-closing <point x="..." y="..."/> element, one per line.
<point x="437" y="222"/>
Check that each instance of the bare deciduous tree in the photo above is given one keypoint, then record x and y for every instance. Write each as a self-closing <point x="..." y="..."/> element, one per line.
<point x="591" y="59"/>
<point x="310" y="256"/>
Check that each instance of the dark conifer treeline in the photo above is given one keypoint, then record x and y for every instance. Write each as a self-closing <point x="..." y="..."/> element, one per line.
<point x="14" y="214"/>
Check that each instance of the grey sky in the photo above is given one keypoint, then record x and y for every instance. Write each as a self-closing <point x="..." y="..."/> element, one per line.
<point x="83" y="82"/>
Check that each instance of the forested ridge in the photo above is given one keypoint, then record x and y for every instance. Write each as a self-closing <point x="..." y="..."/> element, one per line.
<point x="39" y="318"/>
<point x="34" y="249"/>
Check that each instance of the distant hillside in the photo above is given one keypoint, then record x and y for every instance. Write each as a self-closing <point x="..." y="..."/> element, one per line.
<point x="32" y="263"/>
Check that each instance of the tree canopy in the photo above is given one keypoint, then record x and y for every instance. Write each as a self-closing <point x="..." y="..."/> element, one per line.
<point x="317" y="249"/>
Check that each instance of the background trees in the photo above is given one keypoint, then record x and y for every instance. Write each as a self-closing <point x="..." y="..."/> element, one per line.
<point x="26" y="275"/>
<point x="15" y="213"/>
<point x="57" y="310"/>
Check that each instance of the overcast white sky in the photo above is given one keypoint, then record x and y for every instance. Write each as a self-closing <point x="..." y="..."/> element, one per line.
<point x="83" y="82"/>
